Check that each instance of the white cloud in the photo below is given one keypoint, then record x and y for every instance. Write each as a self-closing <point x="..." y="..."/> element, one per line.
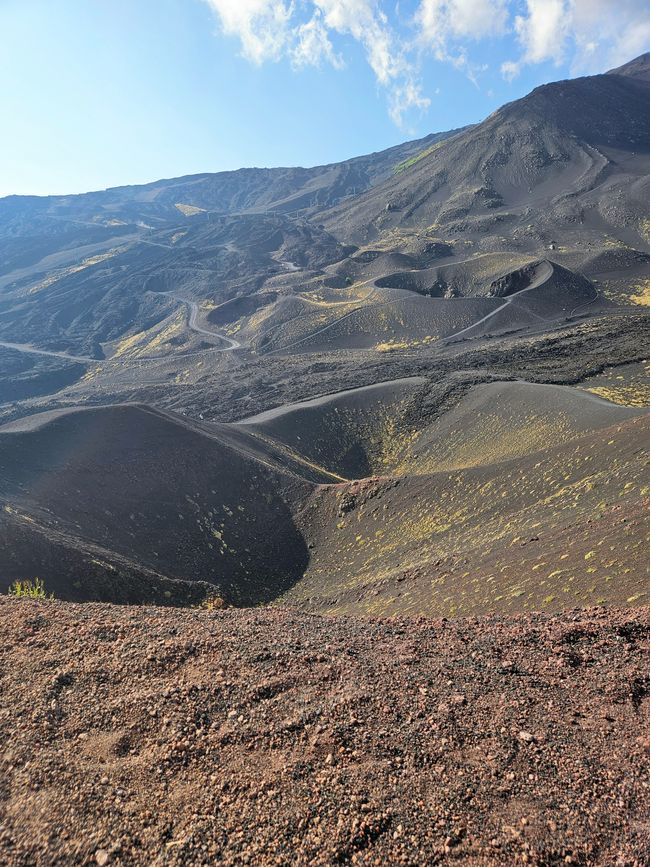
<point x="445" y="21"/>
<point x="446" y="26"/>
<point x="404" y="97"/>
<point x="272" y="29"/>
<point x="313" y="46"/>
<point x="609" y="32"/>
<point x="510" y="70"/>
<point x="386" y="54"/>
<point x="543" y="31"/>
<point x="368" y="25"/>
<point x="592" y="35"/>
<point x="261" y="25"/>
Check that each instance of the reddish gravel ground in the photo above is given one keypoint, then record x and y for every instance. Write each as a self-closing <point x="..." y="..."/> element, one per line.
<point x="164" y="737"/>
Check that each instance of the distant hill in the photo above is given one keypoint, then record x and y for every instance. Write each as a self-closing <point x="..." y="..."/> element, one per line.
<point x="249" y="190"/>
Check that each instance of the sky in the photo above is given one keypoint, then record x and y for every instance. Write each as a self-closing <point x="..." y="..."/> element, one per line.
<point x="100" y="93"/>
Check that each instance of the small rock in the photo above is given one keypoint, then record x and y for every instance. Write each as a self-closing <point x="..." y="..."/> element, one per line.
<point x="101" y="857"/>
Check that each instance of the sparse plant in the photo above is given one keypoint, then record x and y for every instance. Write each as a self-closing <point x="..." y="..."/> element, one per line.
<point x="213" y="602"/>
<point x="28" y="589"/>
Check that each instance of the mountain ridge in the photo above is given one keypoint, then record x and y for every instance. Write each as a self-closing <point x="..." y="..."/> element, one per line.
<point x="514" y="250"/>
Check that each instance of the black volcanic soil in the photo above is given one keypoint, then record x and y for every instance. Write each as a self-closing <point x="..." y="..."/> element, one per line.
<point x="450" y="481"/>
<point x="155" y="736"/>
<point x="159" y="491"/>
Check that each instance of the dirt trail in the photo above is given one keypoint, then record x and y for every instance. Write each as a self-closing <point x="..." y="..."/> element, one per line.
<point x="313" y="402"/>
<point x="193" y="309"/>
<point x="544" y="273"/>
<point x="33" y="350"/>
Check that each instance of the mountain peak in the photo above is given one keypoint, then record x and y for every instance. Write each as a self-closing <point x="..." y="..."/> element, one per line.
<point x="637" y="68"/>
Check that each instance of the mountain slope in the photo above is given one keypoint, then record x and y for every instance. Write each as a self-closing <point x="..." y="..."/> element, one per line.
<point x="515" y="250"/>
<point x="131" y="487"/>
<point x="251" y="190"/>
<point x="546" y="159"/>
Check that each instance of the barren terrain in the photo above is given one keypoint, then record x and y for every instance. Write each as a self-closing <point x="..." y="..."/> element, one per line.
<point x="160" y="736"/>
<point x="340" y="479"/>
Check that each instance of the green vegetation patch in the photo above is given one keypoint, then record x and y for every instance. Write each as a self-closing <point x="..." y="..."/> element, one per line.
<point x="406" y="164"/>
<point x="29" y="589"/>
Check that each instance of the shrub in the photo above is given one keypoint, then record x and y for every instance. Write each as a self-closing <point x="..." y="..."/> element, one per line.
<point x="213" y="602"/>
<point x="29" y="589"/>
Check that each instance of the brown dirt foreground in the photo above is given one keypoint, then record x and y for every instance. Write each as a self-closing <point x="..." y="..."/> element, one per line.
<point x="160" y="736"/>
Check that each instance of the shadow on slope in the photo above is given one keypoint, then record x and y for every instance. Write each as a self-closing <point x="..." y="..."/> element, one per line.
<point x="166" y="496"/>
<point x="352" y="433"/>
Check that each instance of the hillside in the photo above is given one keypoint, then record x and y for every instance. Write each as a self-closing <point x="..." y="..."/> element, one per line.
<point x="325" y="491"/>
<point x="413" y="382"/>
<point x="534" y="169"/>
<point x="290" y="190"/>
<point x="90" y="491"/>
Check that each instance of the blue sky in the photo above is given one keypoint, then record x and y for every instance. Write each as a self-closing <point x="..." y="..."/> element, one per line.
<point x="99" y="93"/>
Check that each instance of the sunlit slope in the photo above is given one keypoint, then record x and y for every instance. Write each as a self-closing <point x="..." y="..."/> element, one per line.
<point x="627" y="385"/>
<point x="562" y="527"/>
<point x="499" y="421"/>
<point x="569" y="156"/>
<point x="380" y="429"/>
<point x="353" y="434"/>
<point x="405" y="310"/>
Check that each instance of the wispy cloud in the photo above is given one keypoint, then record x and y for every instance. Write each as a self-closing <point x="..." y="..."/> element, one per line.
<point x="261" y="25"/>
<point x="592" y="35"/>
<point x="447" y="24"/>
<point x="313" y="46"/>
<point x="302" y="31"/>
<point x="589" y="35"/>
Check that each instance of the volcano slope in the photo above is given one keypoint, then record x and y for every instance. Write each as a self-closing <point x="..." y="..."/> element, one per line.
<point x="521" y="496"/>
<point x="348" y="433"/>
<point x="513" y="250"/>
<point x="92" y="498"/>
<point x="570" y="152"/>
<point x="432" y="400"/>
<point x="425" y="249"/>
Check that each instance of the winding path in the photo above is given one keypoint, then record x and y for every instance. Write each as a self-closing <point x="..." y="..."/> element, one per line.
<point x="545" y="272"/>
<point x="321" y="400"/>
<point x="193" y="309"/>
<point x="33" y="350"/>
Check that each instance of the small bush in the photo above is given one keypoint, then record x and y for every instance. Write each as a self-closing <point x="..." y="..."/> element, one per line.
<point x="29" y="589"/>
<point x="213" y="603"/>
